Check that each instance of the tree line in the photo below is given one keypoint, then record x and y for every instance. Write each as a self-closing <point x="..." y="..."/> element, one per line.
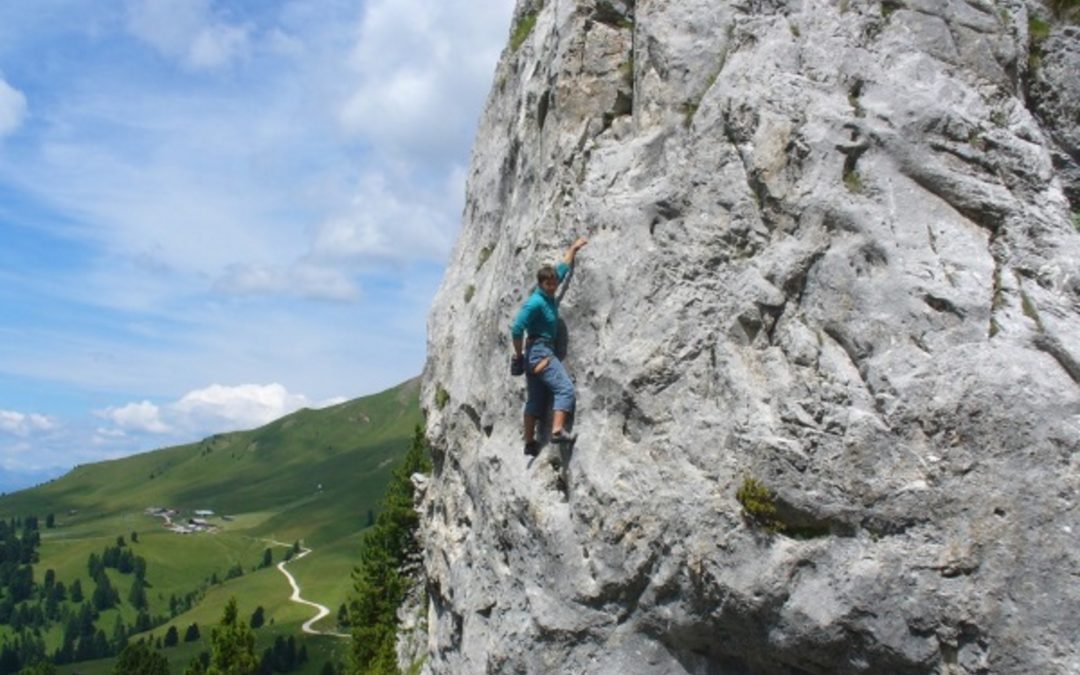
<point x="19" y="542"/>
<point x="31" y="608"/>
<point x="386" y="571"/>
<point x="388" y="567"/>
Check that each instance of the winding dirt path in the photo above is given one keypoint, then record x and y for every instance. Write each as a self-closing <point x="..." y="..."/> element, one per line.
<point x="295" y="597"/>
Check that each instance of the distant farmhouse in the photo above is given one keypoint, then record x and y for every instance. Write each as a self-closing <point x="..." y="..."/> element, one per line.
<point x="199" y="524"/>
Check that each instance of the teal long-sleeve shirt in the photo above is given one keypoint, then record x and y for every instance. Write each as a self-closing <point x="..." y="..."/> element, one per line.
<point x="539" y="316"/>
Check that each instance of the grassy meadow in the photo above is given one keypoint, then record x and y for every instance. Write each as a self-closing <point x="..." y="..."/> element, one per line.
<point x="314" y="476"/>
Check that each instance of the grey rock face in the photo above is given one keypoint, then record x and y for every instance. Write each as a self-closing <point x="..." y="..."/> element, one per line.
<point x="1054" y="83"/>
<point x="831" y="249"/>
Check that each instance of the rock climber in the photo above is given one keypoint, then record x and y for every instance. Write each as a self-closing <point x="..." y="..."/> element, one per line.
<point x="533" y="334"/>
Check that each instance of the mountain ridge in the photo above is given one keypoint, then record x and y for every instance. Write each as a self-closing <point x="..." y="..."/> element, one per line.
<point x="181" y="470"/>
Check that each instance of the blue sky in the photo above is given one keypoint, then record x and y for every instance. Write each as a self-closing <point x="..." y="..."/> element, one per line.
<point x="213" y="213"/>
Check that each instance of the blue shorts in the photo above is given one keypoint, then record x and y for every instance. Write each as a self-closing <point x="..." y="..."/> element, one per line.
<point x="554" y="378"/>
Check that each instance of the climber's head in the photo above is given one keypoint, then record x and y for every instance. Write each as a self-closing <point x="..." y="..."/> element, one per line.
<point x="547" y="279"/>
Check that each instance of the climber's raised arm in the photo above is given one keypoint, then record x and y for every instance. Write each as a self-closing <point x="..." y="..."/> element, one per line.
<point x="568" y="257"/>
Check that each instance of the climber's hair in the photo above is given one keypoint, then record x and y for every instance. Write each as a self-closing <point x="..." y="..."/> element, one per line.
<point x="546" y="272"/>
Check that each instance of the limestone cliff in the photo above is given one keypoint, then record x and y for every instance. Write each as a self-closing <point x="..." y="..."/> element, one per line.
<point x="832" y="250"/>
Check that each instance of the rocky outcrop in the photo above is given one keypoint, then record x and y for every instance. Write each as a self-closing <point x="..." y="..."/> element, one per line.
<point x="832" y="253"/>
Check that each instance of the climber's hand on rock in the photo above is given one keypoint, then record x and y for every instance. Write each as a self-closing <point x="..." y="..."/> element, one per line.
<point x="568" y="258"/>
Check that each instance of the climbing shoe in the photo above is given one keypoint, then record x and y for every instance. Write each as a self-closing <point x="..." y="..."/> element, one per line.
<point x="532" y="449"/>
<point x="563" y="437"/>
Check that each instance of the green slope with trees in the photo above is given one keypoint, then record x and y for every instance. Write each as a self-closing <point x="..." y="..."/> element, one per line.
<point x="316" y="476"/>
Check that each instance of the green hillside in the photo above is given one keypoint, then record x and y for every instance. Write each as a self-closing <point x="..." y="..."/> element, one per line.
<point x="314" y="476"/>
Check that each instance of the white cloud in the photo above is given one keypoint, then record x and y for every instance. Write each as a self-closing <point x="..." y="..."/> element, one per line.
<point x="22" y="424"/>
<point x="201" y="412"/>
<point x="383" y="223"/>
<point x="12" y="108"/>
<point x="188" y="31"/>
<point x="217" y="45"/>
<point x="303" y="280"/>
<point x="421" y="71"/>
<point x="241" y="407"/>
<point x="40" y="448"/>
<point x="253" y="189"/>
<point x="142" y="416"/>
<point x="103" y="433"/>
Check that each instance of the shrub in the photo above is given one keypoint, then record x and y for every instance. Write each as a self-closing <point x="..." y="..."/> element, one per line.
<point x="759" y="504"/>
<point x="522" y="30"/>
<point x="1038" y="31"/>
<point x="853" y="181"/>
<point x="1065" y="10"/>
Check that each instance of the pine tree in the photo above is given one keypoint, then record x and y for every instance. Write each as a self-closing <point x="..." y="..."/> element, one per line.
<point x="192" y="633"/>
<point x="94" y="565"/>
<point x="139" y="659"/>
<point x="9" y="660"/>
<point x="101" y="644"/>
<point x="142" y="622"/>
<point x="137" y="596"/>
<point x="20" y="584"/>
<point x="105" y="594"/>
<point x="39" y="668"/>
<point x="139" y="567"/>
<point x="52" y="605"/>
<point x="76" y="592"/>
<point x="258" y="617"/>
<point x="289" y="657"/>
<point x="85" y="649"/>
<point x="389" y="552"/>
<point x="120" y="634"/>
<point x="199" y="664"/>
<point x="125" y="562"/>
<point x="233" y="645"/>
